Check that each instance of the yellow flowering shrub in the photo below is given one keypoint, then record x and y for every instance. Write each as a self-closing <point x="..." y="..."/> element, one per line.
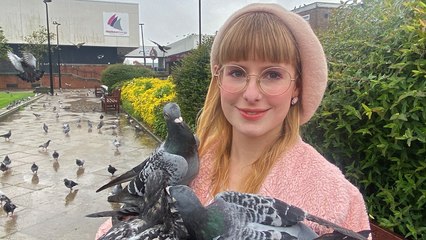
<point x="148" y="95"/>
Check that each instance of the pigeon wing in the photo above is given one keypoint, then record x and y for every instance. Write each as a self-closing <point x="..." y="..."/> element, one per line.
<point x="16" y="61"/>
<point x="29" y="59"/>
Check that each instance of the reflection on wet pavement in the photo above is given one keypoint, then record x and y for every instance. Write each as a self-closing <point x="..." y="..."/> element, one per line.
<point x="46" y="209"/>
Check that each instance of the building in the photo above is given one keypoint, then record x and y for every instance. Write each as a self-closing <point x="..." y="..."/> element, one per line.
<point x="89" y="32"/>
<point x="317" y="14"/>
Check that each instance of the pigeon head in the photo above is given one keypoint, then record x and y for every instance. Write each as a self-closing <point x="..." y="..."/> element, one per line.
<point x="172" y="113"/>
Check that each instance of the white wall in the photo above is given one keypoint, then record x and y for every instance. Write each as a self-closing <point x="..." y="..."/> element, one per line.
<point x="81" y="21"/>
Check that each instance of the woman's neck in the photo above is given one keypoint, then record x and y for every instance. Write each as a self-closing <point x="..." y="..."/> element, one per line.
<point x="246" y="150"/>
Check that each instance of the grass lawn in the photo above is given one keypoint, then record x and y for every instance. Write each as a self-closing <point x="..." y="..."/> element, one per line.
<point x="8" y="97"/>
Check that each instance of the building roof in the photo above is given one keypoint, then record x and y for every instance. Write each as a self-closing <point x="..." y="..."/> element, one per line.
<point x="307" y="7"/>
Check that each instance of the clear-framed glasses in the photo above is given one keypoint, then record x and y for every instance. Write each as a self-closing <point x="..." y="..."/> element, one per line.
<point x="271" y="81"/>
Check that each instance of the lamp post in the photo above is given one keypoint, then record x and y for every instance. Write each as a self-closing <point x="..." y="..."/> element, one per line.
<point x="48" y="47"/>
<point x="143" y="45"/>
<point x="59" y="55"/>
<point x="199" y="22"/>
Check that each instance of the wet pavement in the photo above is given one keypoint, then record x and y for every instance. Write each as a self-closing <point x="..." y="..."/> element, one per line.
<point x="46" y="209"/>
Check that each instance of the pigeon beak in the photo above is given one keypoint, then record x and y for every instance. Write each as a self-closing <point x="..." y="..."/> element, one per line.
<point x="178" y="120"/>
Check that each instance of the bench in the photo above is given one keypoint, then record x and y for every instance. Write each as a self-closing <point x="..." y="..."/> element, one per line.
<point x="380" y="233"/>
<point x="41" y="90"/>
<point x="112" y="101"/>
<point x="101" y="90"/>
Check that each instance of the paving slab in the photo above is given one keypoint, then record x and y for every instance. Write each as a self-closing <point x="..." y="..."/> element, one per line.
<point x="46" y="209"/>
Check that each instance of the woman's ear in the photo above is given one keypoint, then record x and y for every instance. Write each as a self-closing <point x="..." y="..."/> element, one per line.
<point x="215" y="69"/>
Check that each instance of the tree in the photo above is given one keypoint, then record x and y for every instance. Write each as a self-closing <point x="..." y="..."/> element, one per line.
<point x="192" y="77"/>
<point x="3" y="45"/>
<point x="371" y="122"/>
<point x="37" y="43"/>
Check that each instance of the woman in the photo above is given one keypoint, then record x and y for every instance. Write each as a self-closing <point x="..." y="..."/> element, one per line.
<point x="269" y="75"/>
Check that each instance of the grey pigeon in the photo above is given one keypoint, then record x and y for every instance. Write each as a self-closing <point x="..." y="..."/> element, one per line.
<point x="34" y="168"/>
<point x="3" y="198"/>
<point x="150" y="218"/>
<point x="173" y="165"/>
<point x="9" y="207"/>
<point x="45" y="145"/>
<point x="79" y="162"/>
<point x="7" y="135"/>
<point x="55" y="155"/>
<point x="116" y="143"/>
<point x="7" y="160"/>
<point x="66" y="128"/>
<point x="111" y="169"/>
<point x="234" y="215"/>
<point x="180" y="141"/>
<point x="162" y="48"/>
<point x="45" y="128"/>
<point x="100" y="125"/>
<point x="69" y="183"/>
<point x="26" y="66"/>
<point x="3" y="167"/>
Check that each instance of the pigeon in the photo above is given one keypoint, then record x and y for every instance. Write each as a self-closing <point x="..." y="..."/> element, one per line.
<point x="3" y="198"/>
<point x="7" y="160"/>
<point x="79" y="162"/>
<point x="45" y="145"/>
<point x="162" y="48"/>
<point x="111" y="169"/>
<point x="45" y="128"/>
<point x="9" y="207"/>
<point x="234" y="215"/>
<point x="89" y="124"/>
<point x="79" y="123"/>
<point x="66" y="128"/>
<point x="3" y="167"/>
<point x="37" y="115"/>
<point x="100" y="125"/>
<point x="26" y="66"/>
<point x="116" y="143"/>
<point x="180" y="141"/>
<point x="101" y="117"/>
<point x="55" y="155"/>
<point x="150" y="218"/>
<point x="69" y="183"/>
<point x="173" y="165"/>
<point x="34" y="168"/>
<point x="7" y="135"/>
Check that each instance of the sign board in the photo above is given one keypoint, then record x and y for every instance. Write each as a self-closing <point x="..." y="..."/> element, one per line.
<point x="153" y="54"/>
<point x="116" y="24"/>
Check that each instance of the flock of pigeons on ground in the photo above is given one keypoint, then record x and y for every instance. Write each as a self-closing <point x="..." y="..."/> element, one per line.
<point x="157" y="202"/>
<point x="5" y="165"/>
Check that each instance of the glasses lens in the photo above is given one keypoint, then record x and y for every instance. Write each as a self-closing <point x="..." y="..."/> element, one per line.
<point x="275" y="80"/>
<point x="272" y="81"/>
<point x="232" y="78"/>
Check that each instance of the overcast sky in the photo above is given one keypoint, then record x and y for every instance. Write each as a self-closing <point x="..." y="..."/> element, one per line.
<point x="166" y="21"/>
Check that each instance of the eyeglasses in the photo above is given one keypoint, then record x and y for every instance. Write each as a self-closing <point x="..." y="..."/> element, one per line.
<point x="271" y="81"/>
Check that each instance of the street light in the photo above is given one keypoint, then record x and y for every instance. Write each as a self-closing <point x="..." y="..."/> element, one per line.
<point x="143" y="45"/>
<point x="59" y="55"/>
<point x="48" y="46"/>
<point x="199" y="23"/>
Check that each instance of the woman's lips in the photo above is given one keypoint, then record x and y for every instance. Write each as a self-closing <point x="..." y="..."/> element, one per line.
<point x="252" y="114"/>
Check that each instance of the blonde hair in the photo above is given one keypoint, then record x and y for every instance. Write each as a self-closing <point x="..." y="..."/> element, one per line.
<point x="252" y="36"/>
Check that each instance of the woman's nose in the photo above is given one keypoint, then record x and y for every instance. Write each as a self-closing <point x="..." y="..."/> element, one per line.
<point x="252" y="91"/>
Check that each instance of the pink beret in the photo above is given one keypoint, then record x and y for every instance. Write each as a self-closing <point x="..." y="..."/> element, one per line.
<point x="314" y="64"/>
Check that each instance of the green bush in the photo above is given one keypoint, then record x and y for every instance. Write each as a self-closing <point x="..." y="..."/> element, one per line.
<point x="372" y="121"/>
<point x="115" y="75"/>
<point x="192" y="78"/>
